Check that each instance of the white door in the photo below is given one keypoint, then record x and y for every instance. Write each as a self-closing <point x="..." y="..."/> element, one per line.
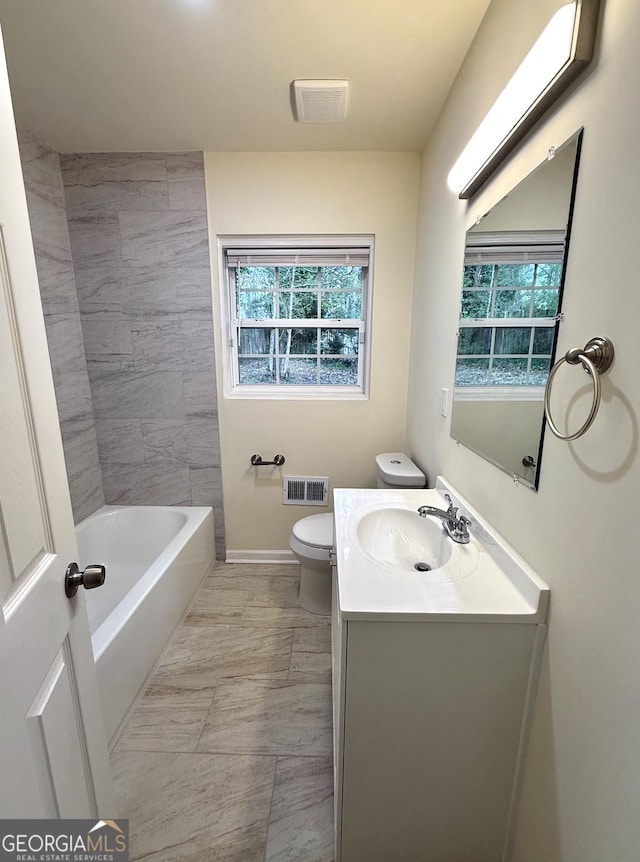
<point x="53" y="755"/>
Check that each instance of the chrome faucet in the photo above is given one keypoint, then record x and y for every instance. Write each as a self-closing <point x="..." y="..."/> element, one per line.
<point x="456" y="527"/>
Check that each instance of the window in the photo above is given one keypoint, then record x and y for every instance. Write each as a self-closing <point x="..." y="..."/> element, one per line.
<point x="510" y="301"/>
<point x="297" y="314"/>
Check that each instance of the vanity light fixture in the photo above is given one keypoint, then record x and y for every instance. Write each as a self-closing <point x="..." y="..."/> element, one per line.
<point x="562" y="51"/>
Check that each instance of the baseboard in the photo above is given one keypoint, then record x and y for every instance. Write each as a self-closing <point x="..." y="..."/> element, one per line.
<point x="280" y="557"/>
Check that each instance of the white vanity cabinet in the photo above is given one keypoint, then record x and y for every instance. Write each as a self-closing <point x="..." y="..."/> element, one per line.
<point x="431" y="717"/>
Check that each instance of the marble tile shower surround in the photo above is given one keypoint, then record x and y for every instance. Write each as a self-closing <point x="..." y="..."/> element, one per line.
<point x="139" y="237"/>
<point x="227" y="755"/>
<point x="50" y="233"/>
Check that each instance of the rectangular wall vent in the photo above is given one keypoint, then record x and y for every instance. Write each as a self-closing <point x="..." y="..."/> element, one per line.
<point x="306" y="490"/>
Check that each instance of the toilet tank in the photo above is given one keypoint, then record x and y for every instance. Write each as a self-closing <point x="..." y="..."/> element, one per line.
<point x="397" y="470"/>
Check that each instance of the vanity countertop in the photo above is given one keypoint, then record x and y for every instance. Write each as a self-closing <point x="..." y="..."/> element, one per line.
<point x="482" y="581"/>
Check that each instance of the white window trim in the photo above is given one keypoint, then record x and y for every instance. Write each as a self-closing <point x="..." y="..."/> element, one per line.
<point x="227" y="243"/>
<point x="498" y="393"/>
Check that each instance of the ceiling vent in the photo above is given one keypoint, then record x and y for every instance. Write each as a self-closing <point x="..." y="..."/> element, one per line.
<point x="318" y="101"/>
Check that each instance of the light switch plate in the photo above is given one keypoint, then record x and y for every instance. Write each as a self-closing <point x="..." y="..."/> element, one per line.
<point x="444" y="402"/>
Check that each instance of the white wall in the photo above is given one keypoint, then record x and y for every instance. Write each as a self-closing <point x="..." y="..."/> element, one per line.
<point x="315" y="193"/>
<point x="582" y="783"/>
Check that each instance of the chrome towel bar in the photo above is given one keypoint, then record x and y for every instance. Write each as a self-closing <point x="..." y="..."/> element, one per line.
<point x="596" y="358"/>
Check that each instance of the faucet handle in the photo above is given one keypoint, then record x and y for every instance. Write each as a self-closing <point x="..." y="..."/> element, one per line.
<point x="461" y="531"/>
<point x="452" y="511"/>
<point x="463" y="525"/>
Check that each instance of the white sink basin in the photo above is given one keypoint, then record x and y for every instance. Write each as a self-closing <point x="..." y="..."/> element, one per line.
<point x="402" y="540"/>
<point x="380" y="541"/>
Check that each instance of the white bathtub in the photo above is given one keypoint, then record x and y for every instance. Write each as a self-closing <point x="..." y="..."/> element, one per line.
<point x="156" y="556"/>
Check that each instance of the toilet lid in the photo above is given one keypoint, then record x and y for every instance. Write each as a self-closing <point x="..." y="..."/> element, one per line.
<point x="396" y="468"/>
<point x="315" y="530"/>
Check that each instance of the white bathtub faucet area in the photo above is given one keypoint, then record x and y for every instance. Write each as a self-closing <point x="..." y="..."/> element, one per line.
<point x="156" y="557"/>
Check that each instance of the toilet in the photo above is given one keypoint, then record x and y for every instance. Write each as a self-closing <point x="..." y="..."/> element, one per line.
<point x="312" y="537"/>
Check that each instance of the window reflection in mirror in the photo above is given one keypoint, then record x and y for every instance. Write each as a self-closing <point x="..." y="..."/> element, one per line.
<point x="512" y="281"/>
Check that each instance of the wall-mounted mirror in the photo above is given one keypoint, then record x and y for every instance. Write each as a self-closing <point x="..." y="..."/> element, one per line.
<point x="512" y="283"/>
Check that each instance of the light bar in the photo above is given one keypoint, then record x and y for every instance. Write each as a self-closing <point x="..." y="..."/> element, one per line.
<point x="563" y="49"/>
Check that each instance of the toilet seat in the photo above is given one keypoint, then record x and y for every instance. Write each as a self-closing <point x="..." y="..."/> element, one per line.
<point x="308" y="552"/>
<point x="315" y="531"/>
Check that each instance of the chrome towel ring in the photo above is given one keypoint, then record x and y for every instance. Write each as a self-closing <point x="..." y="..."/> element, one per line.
<point x="595" y="357"/>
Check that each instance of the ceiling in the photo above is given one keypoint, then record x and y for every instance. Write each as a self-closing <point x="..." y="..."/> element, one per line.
<point x="138" y="75"/>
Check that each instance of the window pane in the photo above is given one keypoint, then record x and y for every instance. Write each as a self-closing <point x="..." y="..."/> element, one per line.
<point x="298" y="341"/>
<point x="474" y="340"/>
<point x="298" y="277"/>
<point x="255" y="306"/>
<point x="543" y="339"/>
<point x="512" y="340"/>
<point x="256" y="277"/>
<point x="515" y="274"/>
<point x="476" y="303"/>
<point x="509" y="372"/>
<point x="472" y="372"/>
<point x="549" y="274"/>
<point x="478" y="275"/>
<point x="252" y="341"/>
<point x="339" y="341"/>
<point x="298" y="371"/>
<point x="341" y="306"/>
<point x="339" y="372"/>
<point x="545" y="302"/>
<point x="301" y="305"/>
<point x="255" y="371"/>
<point x="539" y="372"/>
<point x="513" y="303"/>
<point x="341" y="277"/>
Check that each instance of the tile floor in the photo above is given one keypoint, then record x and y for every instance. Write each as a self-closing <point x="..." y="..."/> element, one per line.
<point x="227" y="756"/>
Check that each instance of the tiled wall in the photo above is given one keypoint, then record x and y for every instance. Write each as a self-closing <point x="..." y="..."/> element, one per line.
<point x="138" y="228"/>
<point x="46" y="203"/>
